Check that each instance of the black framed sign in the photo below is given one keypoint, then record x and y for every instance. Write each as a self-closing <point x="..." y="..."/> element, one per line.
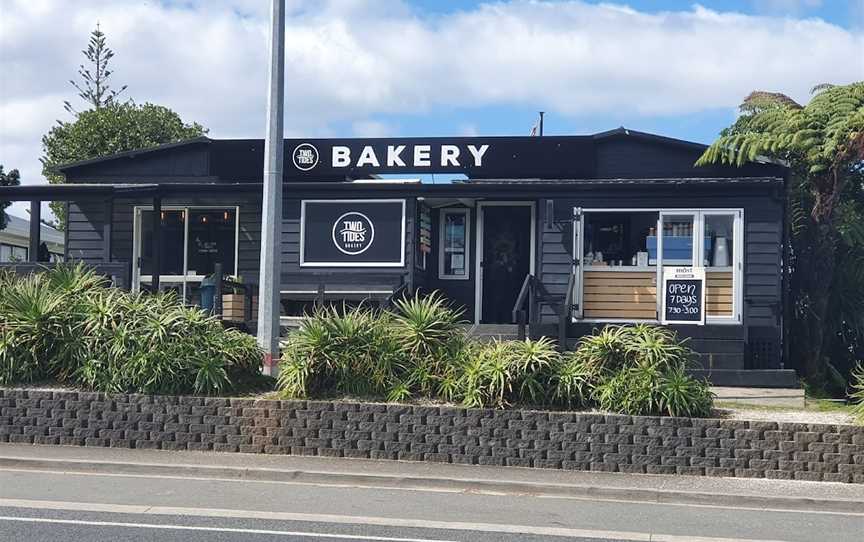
<point x="550" y="157"/>
<point x="352" y="233"/>
<point x="683" y="295"/>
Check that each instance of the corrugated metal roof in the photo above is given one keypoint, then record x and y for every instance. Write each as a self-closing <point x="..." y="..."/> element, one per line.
<point x="21" y="227"/>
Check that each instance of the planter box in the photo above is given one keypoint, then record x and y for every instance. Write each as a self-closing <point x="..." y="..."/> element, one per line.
<point x="233" y="305"/>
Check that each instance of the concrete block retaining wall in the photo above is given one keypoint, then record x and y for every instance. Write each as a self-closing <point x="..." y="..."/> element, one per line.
<point x="554" y="440"/>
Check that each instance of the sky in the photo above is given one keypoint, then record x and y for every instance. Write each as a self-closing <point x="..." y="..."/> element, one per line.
<point x="370" y="68"/>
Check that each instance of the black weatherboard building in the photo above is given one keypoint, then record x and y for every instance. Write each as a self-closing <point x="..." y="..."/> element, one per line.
<point x="563" y="233"/>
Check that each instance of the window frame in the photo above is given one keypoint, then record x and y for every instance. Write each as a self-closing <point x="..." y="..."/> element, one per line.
<point x="466" y="212"/>
<point x="699" y="232"/>
<point x="138" y="278"/>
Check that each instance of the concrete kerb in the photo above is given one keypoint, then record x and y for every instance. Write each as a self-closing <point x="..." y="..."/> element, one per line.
<point x="429" y="483"/>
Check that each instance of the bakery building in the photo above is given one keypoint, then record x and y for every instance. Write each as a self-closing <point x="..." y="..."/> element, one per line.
<point x="561" y="234"/>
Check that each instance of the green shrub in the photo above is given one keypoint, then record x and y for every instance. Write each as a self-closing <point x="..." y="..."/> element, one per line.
<point x="352" y="350"/>
<point x="67" y="324"/>
<point x="411" y="350"/>
<point x="420" y="348"/>
<point x="616" y="347"/>
<point x="572" y="380"/>
<point x="641" y="370"/>
<point x="500" y="373"/>
<point x="857" y="385"/>
<point x="631" y="390"/>
<point x="431" y="337"/>
<point x="684" y="396"/>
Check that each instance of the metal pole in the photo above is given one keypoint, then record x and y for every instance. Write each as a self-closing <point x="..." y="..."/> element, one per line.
<point x="271" y="209"/>
<point x="541" y="122"/>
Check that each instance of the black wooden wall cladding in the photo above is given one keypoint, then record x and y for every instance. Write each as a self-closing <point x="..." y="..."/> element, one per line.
<point x="353" y="233"/>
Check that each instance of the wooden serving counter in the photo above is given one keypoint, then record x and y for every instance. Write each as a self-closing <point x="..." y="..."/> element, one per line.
<point x="622" y="293"/>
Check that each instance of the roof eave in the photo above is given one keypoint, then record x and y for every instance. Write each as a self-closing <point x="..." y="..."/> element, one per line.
<point x="132" y="153"/>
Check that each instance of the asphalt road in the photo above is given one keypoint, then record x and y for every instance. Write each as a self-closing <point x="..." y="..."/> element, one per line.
<point x="47" y="505"/>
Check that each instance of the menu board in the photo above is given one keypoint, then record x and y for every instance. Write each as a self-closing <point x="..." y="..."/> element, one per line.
<point x="683" y="295"/>
<point x="424" y="234"/>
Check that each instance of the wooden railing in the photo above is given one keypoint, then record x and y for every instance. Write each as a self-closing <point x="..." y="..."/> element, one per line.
<point x="400" y="291"/>
<point x="535" y="295"/>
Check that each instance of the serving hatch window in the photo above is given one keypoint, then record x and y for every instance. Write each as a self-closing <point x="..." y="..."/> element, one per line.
<point x="622" y="249"/>
<point x="619" y="239"/>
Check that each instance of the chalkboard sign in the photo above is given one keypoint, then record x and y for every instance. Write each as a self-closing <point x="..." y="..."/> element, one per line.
<point x="683" y="295"/>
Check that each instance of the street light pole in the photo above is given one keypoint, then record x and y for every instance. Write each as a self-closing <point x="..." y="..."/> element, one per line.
<point x="271" y="208"/>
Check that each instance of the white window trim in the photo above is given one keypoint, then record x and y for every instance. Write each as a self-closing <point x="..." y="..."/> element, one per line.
<point x="466" y="212"/>
<point x="138" y="278"/>
<point x="737" y="317"/>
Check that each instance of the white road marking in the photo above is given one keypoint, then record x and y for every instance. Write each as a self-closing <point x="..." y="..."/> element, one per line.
<point x="218" y="529"/>
<point x="630" y="536"/>
<point x="423" y="489"/>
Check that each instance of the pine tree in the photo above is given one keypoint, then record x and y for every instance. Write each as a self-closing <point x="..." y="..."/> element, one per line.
<point x="94" y="88"/>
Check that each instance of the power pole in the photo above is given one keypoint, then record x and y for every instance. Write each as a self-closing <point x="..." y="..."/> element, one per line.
<point x="271" y="208"/>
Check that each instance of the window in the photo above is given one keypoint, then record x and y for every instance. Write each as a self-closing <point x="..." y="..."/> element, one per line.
<point x="453" y="255"/>
<point x="193" y="240"/>
<point x="719" y="245"/>
<point x="211" y="240"/>
<point x="173" y="224"/>
<point x="614" y="239"/>
<point x="622" y="250"/>
<point x="12" y="253"/>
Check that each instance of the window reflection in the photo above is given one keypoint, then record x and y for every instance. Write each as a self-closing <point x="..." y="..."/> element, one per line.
<point x="454" y="242"/>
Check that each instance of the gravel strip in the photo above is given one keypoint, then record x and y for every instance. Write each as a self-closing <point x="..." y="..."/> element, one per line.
<point x="786" y="416"/>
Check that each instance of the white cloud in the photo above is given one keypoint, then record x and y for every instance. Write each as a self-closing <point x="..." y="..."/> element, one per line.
<point x="349" y="61"/>
<point x="787" y="6"/>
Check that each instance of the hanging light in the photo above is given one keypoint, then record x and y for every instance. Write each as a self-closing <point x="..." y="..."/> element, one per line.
<point x="163" y="216"/>
<point x="225" y="216"/>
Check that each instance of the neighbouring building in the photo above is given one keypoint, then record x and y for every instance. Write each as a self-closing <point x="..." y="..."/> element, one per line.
<point x="15" y="241"/>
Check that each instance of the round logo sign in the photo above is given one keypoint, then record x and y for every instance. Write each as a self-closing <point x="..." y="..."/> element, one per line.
<point x="305" y="156"/>
<point x="353" y="233"/>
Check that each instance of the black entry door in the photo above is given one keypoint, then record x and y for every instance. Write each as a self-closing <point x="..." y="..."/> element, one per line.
<point x="506" y="259"/>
